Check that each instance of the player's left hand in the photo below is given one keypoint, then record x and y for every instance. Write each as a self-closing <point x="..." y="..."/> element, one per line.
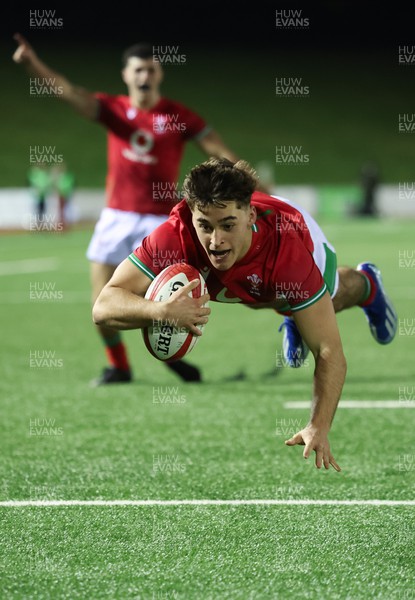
<point x="315" y="439"/>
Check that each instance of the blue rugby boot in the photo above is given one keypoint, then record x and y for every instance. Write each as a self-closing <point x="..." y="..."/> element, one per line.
<point x="379" y="310"/>
<point x="294" y="349"/>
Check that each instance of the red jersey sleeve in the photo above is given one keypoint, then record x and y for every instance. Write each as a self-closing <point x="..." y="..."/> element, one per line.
<point x="298" y="279"/>
<point x="158" y="250"/>
<point x="195" y="126"/>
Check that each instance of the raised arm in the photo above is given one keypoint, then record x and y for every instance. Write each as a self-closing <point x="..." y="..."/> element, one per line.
<point x="121" y="304"/>
<point x="81" y="100"/>
<point x="318" y="327"/>
<point x="212" y="145"/>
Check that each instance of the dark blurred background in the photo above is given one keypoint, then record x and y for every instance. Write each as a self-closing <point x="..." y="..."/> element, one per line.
<point x="347" y="55"/>
<point x="332" y="23"/>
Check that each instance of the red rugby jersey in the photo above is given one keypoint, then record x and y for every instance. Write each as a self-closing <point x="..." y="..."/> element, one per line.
<point x="278" y="265"/>
<point x="144" y="152"/>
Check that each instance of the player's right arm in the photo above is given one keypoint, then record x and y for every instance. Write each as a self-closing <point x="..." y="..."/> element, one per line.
<point x="121" y="304"/>
<point x="80" y="99"/>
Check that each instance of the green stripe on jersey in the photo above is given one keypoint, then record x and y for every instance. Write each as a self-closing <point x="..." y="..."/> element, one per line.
<point x="330" y="269"/>
<point x="311" y="300"/>
<point x="142" y="266"/>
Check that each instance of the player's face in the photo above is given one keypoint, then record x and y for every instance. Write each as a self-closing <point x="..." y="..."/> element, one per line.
<point x="142" y="74"/>
<point x="225" y="233"/>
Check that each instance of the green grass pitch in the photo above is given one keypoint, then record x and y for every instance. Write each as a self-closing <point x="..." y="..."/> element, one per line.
<point x="161" y="439"/>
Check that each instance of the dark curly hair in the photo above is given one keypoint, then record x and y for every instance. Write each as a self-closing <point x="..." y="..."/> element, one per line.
<point x="217" y="181"/>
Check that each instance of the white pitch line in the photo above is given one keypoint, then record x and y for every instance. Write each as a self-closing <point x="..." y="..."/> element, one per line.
<point x="201" y="502"/>
<point x="359" y="404"/>
<point x="35" y="265"/>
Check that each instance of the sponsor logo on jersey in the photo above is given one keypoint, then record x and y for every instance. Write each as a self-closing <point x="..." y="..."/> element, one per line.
<point x="141" y="143"/>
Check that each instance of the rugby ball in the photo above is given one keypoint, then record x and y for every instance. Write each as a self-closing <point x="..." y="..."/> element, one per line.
<point x="163" y="340"/>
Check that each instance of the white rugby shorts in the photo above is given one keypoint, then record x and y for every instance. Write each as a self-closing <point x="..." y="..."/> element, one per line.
<point x="119" y="232"/>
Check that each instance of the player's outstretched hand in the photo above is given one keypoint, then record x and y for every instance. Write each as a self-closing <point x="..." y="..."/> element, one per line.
<point x="24" y="51"/>
<point x="315" y="439"/>
<point x="184" y="311"/>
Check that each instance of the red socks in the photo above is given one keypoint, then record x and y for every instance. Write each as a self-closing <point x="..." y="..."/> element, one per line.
<point x="116" y="352"/>
<point x="371" y="289"/>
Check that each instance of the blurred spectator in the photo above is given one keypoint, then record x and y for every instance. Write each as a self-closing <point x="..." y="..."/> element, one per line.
<point x="40" y="181"/>
<point x="369" y="181"/>
<point x="64" y="185"/>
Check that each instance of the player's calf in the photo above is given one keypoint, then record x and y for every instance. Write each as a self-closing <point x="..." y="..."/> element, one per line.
<point x="351" y="290"/>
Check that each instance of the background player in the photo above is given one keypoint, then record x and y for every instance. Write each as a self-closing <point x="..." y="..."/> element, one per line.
<point x="263" y="252"/>
<point x="64" y="184"/>
<point x="40" y="181"/>
<point x="146" y="138"/>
